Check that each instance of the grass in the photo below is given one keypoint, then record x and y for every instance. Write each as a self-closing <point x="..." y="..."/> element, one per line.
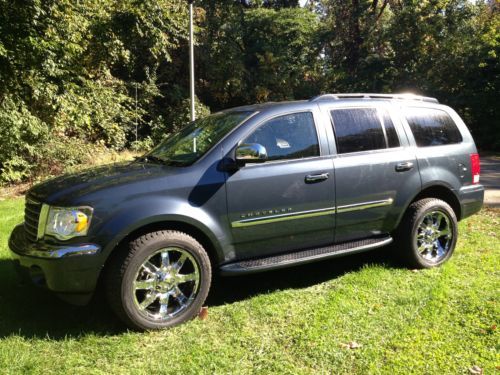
<point x="436" y="321"/>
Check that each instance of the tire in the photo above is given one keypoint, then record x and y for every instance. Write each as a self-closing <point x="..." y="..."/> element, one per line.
<point x="427" y="235"/>
<point x="160" y="282"/>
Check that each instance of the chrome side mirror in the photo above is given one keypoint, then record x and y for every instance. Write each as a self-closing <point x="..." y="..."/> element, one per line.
<point x="250" y="153"/>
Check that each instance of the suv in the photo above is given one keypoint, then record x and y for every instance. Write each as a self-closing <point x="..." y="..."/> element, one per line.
<point x="250" y="189"/>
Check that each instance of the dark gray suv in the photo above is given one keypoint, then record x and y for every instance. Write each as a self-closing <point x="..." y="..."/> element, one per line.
<point x="250" y="189"/>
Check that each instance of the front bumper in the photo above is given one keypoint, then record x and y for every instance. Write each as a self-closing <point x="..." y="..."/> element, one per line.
<point x="70" y="271"/>
<point x="471" y="199"/>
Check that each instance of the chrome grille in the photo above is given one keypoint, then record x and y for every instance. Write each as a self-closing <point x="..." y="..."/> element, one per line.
<point x="32" y="210"/>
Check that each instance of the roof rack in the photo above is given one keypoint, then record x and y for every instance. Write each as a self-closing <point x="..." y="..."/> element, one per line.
<point x="404" y="96"/>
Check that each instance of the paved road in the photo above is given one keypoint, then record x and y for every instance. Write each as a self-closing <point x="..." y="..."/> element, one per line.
<point x="490" y="178"/>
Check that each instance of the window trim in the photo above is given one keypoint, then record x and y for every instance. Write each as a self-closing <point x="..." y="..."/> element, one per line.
<point x="382" y="125"/>
<point x="265" y="120"/>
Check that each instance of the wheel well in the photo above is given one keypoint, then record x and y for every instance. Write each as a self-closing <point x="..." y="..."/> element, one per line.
<point x="193" y="231"/>
<point x="443" y="193"/>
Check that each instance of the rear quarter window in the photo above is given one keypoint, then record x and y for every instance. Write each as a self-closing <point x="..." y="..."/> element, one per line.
<point x="432" y="127"/>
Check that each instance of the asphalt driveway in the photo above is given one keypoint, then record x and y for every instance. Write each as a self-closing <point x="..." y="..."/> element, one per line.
<point x="490" y="178"/>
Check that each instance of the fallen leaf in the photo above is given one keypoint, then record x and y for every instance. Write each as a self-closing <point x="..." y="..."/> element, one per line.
<point x="476" y="370"/>
<point x="203" y="313"/>
<point x="351" y="345"/>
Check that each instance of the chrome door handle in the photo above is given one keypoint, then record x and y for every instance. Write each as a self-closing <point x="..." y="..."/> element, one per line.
<point x="405" y="166"/>
<point x="317" y="177"/>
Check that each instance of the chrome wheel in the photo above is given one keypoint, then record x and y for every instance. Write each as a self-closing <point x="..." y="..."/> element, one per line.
<point x="434" y="236"/>
<point x="166" y="284"/>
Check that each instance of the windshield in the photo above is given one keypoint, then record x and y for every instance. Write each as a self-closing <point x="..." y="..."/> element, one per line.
<point x="192" y="142"/>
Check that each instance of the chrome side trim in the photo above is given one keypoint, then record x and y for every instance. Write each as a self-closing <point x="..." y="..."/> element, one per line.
<point x="311" y="213"/>
<point x="364" y="205"/>
<point x="283" y="217"/>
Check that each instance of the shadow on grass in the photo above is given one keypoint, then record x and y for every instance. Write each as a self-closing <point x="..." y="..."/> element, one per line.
<point x="236" y="288"/>
<point x="31" y="312"/>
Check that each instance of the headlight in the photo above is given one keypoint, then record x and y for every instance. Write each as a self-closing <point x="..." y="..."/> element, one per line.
<point x="67" y="222"/>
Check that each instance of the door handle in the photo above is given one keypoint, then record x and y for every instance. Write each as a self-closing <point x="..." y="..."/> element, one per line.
<point x="405" y="166"/>
<point x="317" y="177"/>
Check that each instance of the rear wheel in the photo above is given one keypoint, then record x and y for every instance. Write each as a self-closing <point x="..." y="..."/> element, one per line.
<point x="162" y="281"/>
<point x="427" y="234"/>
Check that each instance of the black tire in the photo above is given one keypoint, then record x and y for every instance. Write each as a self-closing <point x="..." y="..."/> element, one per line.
<point x="129" y="264"/>
<point x="406" y="241"/>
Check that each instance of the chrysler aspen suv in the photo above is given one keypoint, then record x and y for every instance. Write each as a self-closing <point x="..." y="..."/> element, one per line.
<point x="253" y="189"/>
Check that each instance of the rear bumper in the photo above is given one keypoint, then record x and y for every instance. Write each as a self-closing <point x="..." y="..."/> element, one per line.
<point x="70" y="271"/>
<point x="471" y="199"/>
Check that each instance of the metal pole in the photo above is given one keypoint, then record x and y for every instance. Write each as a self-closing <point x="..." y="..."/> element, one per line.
<point x="191" y="59"/>
<point x="136" y="116"/>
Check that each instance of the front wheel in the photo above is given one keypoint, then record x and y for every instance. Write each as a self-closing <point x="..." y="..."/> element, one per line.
<point x="161" y="281"/>
<point x="427" y="234"/>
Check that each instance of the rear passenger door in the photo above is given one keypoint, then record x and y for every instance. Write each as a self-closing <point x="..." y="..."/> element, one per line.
<point x="376" y="173"/>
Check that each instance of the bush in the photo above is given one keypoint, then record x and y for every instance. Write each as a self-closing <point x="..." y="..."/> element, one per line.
<point x="22" y="136"/>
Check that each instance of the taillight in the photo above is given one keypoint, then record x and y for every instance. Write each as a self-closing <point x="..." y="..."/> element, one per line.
<point x="475" y="168"/>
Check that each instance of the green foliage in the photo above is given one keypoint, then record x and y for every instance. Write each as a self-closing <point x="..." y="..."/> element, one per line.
<point x="177" y="117"/>
<point x="21" y="135"/>
<point x="115" y="73"/>
<point x="260" y="55"/>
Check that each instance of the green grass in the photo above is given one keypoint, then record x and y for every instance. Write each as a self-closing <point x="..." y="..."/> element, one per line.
<point x="291" y="321"/>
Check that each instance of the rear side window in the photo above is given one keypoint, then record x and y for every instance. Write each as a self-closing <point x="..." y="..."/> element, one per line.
<point x="432" y="127"/>
<point x="291" y="136"/>
<point x="361" y="129"/>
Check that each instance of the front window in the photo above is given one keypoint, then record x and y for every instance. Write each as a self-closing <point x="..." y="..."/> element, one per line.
<point x="291" y="136"/>
<point x="192" y="142"/>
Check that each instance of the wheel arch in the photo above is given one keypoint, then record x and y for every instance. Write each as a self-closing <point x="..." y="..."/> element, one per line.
<point x="439" y="191"/>
<point x="213" y="248"/>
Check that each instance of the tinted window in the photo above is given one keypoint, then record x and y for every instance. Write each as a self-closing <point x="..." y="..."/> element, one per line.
<point x="390" y="131"/>
<point x="432" y="127"/>
<point x="288" y="137"/>
<point x="357" y="129"/>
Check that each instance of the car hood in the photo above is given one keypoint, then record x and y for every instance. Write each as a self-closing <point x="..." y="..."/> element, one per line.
<point x="74" y="188"/>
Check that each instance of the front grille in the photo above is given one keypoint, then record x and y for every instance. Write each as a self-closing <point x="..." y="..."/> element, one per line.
<point x="32" y="210"/>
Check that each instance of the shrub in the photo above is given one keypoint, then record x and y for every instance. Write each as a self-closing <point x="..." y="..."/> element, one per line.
<point x="21" y="137"/>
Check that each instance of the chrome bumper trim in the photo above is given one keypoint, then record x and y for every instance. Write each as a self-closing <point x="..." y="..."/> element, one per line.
<point x="21" y="247"/>
<point x="64" y="252"/>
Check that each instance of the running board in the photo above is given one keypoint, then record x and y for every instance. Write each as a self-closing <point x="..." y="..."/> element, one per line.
<point x="303" y="256"/>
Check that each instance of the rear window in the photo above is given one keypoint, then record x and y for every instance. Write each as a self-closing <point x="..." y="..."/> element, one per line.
<point x="432" y="127"/>
<point x="363" y="129"/>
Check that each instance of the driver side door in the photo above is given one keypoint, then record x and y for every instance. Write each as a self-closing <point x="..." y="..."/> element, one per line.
<point x="287" y="202"/>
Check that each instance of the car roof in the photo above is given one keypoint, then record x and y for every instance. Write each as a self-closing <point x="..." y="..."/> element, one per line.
<point x="351" y="98"/>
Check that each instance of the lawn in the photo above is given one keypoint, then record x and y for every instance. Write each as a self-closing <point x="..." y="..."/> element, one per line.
<point x="298" y="320"/>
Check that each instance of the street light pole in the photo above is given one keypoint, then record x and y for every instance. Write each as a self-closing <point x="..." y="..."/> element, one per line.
<point x="191" y="60"/>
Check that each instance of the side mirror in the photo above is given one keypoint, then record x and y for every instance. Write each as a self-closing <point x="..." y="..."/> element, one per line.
<point x="250" y="153"/>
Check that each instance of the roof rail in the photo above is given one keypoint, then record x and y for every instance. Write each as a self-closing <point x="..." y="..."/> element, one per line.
<point x="404" y="96"/>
